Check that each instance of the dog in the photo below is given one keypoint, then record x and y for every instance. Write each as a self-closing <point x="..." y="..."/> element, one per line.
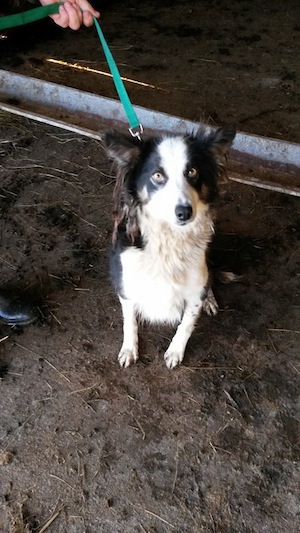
<point x="163" y="197"/>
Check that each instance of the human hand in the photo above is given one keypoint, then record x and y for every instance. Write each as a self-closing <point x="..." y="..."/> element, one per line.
<point x="73" y="13"/>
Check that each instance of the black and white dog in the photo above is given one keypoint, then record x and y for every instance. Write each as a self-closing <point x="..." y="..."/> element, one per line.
<point x="163" y="224"/>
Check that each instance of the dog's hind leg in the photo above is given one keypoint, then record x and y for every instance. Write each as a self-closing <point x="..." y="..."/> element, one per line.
<point x="175" y="353"/>
<point x="129" y="351"/>
<point x="210" y="304"/>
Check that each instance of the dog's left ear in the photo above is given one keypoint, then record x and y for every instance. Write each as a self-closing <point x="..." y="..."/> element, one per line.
<point x="220" y="141"/>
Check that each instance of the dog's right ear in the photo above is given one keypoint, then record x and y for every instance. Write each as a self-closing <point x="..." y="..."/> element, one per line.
<point x="125" y="152"/>
<point x="122" y="149"/>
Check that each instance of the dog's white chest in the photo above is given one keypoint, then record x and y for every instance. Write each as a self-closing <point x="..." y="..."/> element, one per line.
<point x="156" y="297"/>
<point x="160" y="281"/>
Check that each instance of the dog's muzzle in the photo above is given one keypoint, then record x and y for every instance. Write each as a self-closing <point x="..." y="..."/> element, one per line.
<point x="183" y="213"/>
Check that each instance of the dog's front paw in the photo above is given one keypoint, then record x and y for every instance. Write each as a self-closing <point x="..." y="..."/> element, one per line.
<point x="210" y="305"/>
<point x="127" y="357"/>
<point x="173" y="358"/>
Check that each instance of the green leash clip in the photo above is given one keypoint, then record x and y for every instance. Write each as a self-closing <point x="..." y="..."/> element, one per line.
<point x="135" y="127"/>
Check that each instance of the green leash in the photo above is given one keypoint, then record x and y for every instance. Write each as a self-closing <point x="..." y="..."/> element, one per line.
<point x="29" y="16"/>
<point x="135" y="127"/>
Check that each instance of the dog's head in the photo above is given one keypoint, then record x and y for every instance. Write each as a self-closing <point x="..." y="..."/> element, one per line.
<point x="171" y="178"/>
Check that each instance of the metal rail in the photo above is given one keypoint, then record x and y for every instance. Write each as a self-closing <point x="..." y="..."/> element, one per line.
<point x="87" y="114"/>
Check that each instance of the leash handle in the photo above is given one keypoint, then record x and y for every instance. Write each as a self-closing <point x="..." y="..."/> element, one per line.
<point x="136" y="128"/>
<point x="29" y="16"/>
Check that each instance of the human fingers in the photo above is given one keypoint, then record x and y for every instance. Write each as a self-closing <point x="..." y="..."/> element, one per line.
<point x="62" y="19"/>
<point x="74" y="15"/>
<point x="87" y="18"/>
<point x="85" y="6"/>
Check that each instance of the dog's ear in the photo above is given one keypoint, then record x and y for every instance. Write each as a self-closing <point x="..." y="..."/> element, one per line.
<point x="122" y="149"/>
<point x="220" y="141"/>
<point x="125" y="152"/>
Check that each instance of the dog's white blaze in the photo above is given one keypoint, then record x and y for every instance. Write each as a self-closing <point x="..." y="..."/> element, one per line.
<point x="173" y="153"/>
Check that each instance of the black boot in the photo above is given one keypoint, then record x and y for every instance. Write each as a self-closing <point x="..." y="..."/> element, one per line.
<point x="15" y="311"/>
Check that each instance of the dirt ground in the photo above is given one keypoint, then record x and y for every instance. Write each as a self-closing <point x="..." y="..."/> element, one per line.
<point x="212" y="446"/>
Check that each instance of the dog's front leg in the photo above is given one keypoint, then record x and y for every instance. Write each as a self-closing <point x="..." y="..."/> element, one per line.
<point x="129" y="351"/>
<point x="175" y="353"/>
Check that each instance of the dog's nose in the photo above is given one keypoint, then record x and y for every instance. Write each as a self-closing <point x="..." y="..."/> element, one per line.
<point x="183" y="212"/>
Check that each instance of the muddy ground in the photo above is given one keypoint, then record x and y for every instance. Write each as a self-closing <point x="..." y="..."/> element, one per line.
<point x="212" y="446"/>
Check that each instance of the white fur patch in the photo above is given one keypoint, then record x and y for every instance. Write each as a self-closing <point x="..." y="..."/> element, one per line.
<point x="162" y="277"/>
<point x="173" y="153"/>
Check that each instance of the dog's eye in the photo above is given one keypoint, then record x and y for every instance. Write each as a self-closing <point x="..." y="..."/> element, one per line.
<point x="158" y="177"/>
<point x="192" y="173"/>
